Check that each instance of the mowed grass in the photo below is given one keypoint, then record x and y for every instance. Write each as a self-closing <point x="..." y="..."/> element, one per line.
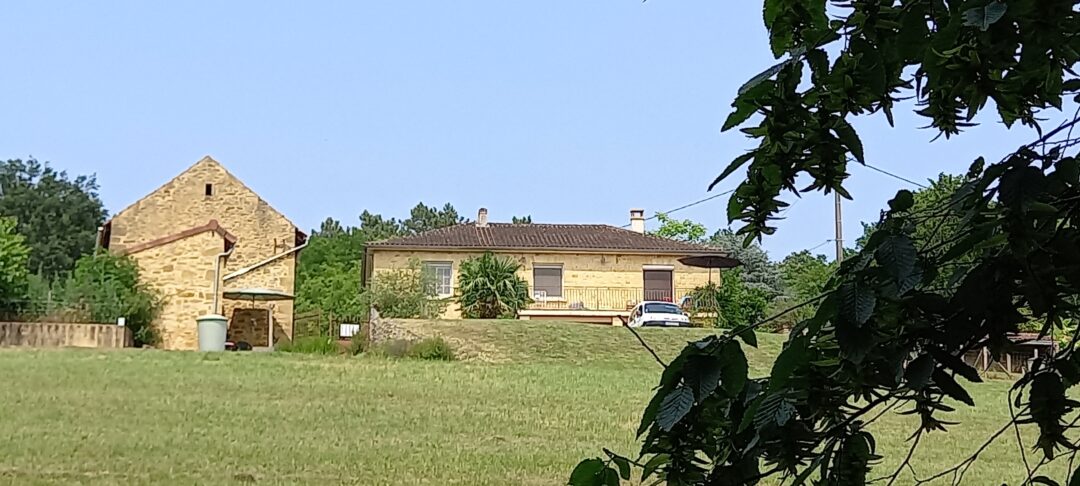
<point x="529" y="401"/>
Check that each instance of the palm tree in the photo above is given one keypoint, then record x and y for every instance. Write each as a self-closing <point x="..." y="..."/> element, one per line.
<point x="491" y="288"/>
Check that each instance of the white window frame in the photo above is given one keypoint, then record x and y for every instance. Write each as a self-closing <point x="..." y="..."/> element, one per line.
<point x="443" y="288"/>
<point x="542" y="295"/>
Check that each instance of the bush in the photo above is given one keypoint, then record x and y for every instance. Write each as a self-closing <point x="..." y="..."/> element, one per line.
<point x="107" y="286"/>
<point x="491" y="288"/>
<point x="403" y="294"/>
<point x="310" y="345"/>
<point x="733" y="304"/>
<point x="359" y="343"/>
<point x="395" y="348"/>
<point x="435" y="349"/>
<point x="432" y="349"/>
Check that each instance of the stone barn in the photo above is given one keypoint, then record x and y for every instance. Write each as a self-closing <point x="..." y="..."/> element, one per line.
<point x="203" y="233"/>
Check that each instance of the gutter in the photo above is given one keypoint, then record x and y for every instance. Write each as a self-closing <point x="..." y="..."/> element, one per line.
<point x="263" y="263"/>
<point x="217" y="278"/>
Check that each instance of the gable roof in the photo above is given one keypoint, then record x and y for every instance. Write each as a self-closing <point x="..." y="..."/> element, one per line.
<point x="561" y="237"/>
<point x="206" y="160"/>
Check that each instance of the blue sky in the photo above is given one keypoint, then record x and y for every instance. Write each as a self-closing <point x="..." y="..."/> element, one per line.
<point x="571" y="111"/>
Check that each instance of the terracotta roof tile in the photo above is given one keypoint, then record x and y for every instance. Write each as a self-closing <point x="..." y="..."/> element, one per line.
<point x="504" y="236"/>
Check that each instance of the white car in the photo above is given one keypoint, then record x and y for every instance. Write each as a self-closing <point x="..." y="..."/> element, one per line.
<point x="660" y="314"/>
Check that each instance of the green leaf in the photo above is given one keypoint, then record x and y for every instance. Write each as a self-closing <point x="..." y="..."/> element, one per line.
<point x="896" y="255"/>
<point x="588" y="473"/>
<point x="903" y="201"/>
<point x="653" y="465"/>
<point x="732" y="167"/>
<point x="951" y="388"/>
<point x="846" y="133"/>
<point x="704" y="374"/>
<point x="789" y="359"/>
<point x="748" y="336"/>
<point x="956" y="364"/>
<point x="736" y="369"/>
<point x="624" y="466"/>
<point x="674" y="407"/>
<point x="857" y="302"/>
<point x="984" y="17"/>
<point x="649" y="416"/>
<point x="1044" y="480"/>
<point x="918" y="372"/>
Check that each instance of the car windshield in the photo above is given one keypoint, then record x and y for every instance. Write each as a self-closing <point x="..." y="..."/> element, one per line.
<point x="662" y="309"/>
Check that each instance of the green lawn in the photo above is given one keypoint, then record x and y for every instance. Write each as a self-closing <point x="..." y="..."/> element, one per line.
<point x="531" y="400"/>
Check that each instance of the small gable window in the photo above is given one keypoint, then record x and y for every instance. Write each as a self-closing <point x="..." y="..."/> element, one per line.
<point x="209" y="189"/>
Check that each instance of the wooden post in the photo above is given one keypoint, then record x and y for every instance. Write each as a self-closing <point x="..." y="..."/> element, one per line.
<point x="1008" y="362"/>
<point x="985" y="359"/>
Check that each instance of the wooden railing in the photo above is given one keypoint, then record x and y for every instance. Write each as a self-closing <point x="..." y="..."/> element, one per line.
<point x="602" y="298"/>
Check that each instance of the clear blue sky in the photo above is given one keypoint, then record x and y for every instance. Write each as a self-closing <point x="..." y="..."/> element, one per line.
<point x="571" y="111"/>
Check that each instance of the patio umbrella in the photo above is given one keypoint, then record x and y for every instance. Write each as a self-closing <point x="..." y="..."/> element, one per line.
<point x="260" y="295"/>
<point x="710" y="261"/>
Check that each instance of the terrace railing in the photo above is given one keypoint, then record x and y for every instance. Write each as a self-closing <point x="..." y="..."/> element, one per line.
<point x="603" y="298"/>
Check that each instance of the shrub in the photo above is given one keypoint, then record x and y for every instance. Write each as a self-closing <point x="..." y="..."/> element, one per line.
<point x="395" y="348"/>
<point x="107" y="286"/>
<point x="403" y="294"/>
<point x="434" y="348"/>
<point x="310" y="345"/>
<point x="732" y="303"/>
<point x="491" y="288"/>
<point x="359" y="343"/>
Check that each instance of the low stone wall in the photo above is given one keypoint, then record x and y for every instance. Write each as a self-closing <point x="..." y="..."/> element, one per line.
<point x="61" y="335"/>
<point x="381" y="330"/>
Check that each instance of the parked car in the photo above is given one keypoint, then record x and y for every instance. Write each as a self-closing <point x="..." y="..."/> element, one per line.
<point x="658" y="314"/>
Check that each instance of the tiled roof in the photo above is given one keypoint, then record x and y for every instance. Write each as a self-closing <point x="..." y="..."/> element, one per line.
<point x="503" y="236"/>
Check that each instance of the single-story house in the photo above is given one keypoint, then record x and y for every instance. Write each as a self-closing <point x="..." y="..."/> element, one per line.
<point x="578" y="272"/>
<point x="203" y="234"/>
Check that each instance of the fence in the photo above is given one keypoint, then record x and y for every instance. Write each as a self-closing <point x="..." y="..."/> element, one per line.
<point x="318" y="323"/>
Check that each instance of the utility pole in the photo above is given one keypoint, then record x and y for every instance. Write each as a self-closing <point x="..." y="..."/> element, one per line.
<point x="839" y="230"/>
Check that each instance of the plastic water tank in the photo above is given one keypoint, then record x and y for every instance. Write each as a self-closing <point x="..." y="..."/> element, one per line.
<point x="212" y="331"/>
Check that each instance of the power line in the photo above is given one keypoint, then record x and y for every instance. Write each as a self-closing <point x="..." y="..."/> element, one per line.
<point x="695" y="203"/>
<point x="823" y="243"/>
<point x="894" y="176"/>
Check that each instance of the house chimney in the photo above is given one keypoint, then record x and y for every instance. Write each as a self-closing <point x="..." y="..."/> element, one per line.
<point x="481" y="218"/>
<point x="637" y="220"/>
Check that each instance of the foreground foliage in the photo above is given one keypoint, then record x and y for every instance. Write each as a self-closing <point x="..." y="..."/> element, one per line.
<point x="894" y="321"/>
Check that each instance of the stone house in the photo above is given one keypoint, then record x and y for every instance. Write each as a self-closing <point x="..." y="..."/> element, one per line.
<point x="203" y="233"/>
<point x="579" y="272"/>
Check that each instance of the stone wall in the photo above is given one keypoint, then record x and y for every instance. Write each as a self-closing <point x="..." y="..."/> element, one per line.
<point x="583" y="270"/>
<point x="182" y="204"/>
<point x="182" y="272"/>
<point x="58" y="335"/>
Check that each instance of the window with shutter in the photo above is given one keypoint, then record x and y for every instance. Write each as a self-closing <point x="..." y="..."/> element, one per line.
<point x="658" y="285"/>
<point x="547" y="281"/>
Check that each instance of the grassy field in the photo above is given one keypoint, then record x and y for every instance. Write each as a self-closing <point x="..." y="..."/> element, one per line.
<point x="529" y="402"/>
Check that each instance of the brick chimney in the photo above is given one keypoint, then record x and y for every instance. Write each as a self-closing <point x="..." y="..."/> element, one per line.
<point x="481" y="218"/>
<point x="637" y="220"/>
